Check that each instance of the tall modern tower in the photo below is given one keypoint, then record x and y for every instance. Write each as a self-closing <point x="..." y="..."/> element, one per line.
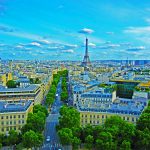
<point x="86" y="60"/>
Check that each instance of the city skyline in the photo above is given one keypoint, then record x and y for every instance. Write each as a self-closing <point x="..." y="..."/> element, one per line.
<point x="57" y="30"/>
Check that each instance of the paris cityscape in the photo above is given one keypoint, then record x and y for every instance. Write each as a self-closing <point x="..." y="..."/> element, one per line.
<point x="74" y="75"/>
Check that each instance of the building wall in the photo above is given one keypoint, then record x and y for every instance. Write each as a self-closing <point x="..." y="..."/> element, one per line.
<point x="3" y="79"/>
<point x="140" y="94"/>
<point x="9" y="76"/>
<point x="98" y="118"/>
<point x="13" y="120"/>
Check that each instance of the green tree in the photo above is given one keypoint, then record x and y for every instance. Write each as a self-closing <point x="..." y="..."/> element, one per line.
<point x="144" y="121"/>
<point x="119" y="129"/>
<point x="0" y="145"/>
<point x="32" y="139"/>
<point x="69" y="118"/>
<point x="40" y="108"/>
<point x="65" y="135"/>
<point x="37" y="120"/>
<point x="87" y="130"/>
<point x="64" y="95"/>
<point x="125" y="145"/>
<point x="75" y="143"/>
<point x="13" y="137"/>
<point x="104" y="142"/>
<point x="142" y="140"/>
<point x="89" y="142"/>
<point x="11" y="84"/>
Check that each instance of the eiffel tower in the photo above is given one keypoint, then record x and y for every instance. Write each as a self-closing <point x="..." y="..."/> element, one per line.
<point x="86" y="60"/>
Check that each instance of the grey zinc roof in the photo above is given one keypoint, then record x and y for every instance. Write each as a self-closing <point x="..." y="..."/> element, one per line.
<point x="31" y="87"/>
<point x="14" y="107"/>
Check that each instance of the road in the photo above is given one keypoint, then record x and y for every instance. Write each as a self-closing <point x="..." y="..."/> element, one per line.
<point x="51" y="122"/>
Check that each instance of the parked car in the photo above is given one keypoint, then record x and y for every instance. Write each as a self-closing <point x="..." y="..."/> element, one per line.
<point x="48" y="139"/>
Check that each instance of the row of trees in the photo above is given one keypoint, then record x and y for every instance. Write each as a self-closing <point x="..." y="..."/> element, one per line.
<point x="69" y="124"/>
<point x="64" y="93"/>
<point x="52" y="92"/>
<point x="31" y="133"/>
<point x="115" y="134"/>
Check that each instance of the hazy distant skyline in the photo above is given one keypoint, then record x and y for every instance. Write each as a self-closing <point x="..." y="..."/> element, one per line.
<point x="55" y="30"/>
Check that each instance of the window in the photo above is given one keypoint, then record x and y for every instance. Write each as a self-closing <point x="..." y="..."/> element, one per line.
<point x="102" y="116"/>
<point x="14" y="116"/>
<point x="7" y="129"/>
<point x="7" y="122"/>
<point x="124" y="118"/>
<point x="132" y="119"/>
<point x="22" y="121"/>
<point x="2" y="117"/>
<point x="10" y="117"/>
<point x="14" y="122"/>
<point x="6" y="117"/>
<point x="22" y="116"/>
<point x="97" y="116"/>
<point x="10" y="122"/>
<point x="2" y="123"/>
<point x="19" y="122"/>
<point x="90" y="116"/>
<point x="97" y="122"/>
<point x="2" y="129"/>
<point x="128" y="118"/>
<point x="94" y="116"/>
<point x="18" y="116"/>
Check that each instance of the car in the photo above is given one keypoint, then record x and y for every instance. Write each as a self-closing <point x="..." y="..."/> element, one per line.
<point x="48" y="138"/>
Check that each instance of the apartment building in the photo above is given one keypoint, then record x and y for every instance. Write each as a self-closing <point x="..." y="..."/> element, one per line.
<point x="13" y="116"/>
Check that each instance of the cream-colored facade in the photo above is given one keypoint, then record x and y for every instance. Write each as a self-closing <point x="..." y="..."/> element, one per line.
<point x="98" y="118"/>
<point x="5" y="77"/>
<point x="14" y="120"/>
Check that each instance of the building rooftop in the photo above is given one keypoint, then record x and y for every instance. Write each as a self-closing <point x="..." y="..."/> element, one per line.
<point x="121" y="106"/>
<point x="21" y="105"/>
<point x="28" y="88"/>
<point x="78" y="88"/>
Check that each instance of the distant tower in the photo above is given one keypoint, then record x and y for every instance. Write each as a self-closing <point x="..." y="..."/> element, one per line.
<point x="86" y="60"/>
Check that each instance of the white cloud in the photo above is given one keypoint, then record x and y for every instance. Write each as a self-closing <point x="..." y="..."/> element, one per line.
<point x="20" y="46"/>
<point x="35" y="44"/>
<point x="44" y="41"/>
<point x="86" y="31"/>
<point x="134" y="49"/>
<point x="68" y="51"/>
<point x="138" y="30"/>
<point x="92" y="45"/>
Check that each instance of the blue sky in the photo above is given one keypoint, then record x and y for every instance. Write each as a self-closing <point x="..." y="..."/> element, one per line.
<point x="56" y="29"/>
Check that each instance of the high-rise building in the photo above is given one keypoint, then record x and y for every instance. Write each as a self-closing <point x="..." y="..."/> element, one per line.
<point x="86" y="60"/>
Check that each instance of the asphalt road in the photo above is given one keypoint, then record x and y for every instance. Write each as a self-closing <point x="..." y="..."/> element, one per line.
<point x="51" y="122"/>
